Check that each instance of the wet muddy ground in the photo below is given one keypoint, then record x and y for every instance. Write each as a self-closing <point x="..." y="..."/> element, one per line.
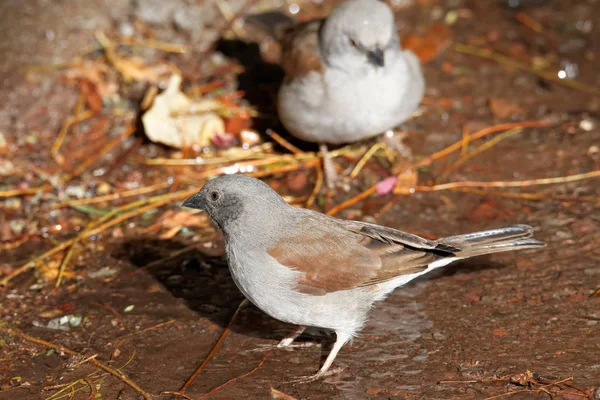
<point x="153" y="304"/>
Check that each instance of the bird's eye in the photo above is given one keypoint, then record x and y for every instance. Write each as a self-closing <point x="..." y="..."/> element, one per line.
<point x="214" y="196"/>
<point x="353" y="43"/>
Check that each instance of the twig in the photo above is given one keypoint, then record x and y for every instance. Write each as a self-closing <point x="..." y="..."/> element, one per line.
<point x="234" y="380"/>
<point x="464" y="148"/>
<point x="63" y="264"/>
<point x="152" y="44"/>
<point x="284" y="143"/>
<point x="478" y="135"/>
<point x="214" y="349"/>
<point x="93" y="391"/>
<point x="531" y="182"/>
<point x="64" y="129"/>
<point x="317" y="188"/>
<point x="468" y="184"/>
<point x="185" y="396"/>
<point x="352" y="201"/>
<point x="111" y="310"/>
<point x="502" y="59"/>
<point x="151" y="328"/>
<point x="486" y="146"/>
<point x="99" y="154"/>
<point x="288" y="168"/>
<point x="538" y="390"/>
<point x="124" y="338"/>
<point x="22" y="192"/>
<point x="108" y="197"/>
<point x="529" y="196"/>
<point x="361" y="163"/>
<point x="100" y="225"/>
<point x="529" y="22"/>
<point x="62" y="349"/>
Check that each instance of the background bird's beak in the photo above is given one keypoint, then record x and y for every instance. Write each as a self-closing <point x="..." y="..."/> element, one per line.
<point x="195" y="201"/>
<point x="376" y="57"/>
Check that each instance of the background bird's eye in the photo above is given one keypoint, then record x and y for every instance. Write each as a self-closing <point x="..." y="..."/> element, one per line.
<point x="214" y="196"/>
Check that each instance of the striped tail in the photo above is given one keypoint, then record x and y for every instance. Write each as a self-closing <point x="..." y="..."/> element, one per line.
<point x="514" y="237"/>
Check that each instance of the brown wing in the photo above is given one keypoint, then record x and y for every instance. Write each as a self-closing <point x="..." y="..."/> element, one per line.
<point x="338" y="255"/>
<point x="300" y="52"/>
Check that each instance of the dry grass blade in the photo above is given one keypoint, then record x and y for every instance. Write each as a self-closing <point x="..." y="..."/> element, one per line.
<point x="109" y="197"/>
<point x="284" y="143"/>
<point x="100" y="225"/>
<point x="478" y="135"/>
<point x="214" y="349"/>
<point x="23" y="192"/>
<point x="234" y="380"/>
<point x="64" y="129"/>
<point x="105" y="149"/>
<point x="506" y="184"/>
<point x="62" y="349"/>
<point x="317" y="188"/>
<point x="486" y="146"/>
<point x="352" y="201"/>
<point x="368" y="155"/>
<point x="64" y="263"/>
<point x="529" y="196"/>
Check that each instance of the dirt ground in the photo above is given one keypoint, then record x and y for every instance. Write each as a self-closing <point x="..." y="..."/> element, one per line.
<point x="152" y="305"/>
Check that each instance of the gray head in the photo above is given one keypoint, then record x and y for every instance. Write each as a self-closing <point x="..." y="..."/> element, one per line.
<point x="232" y="200"/>
<point x="359" y="33"/>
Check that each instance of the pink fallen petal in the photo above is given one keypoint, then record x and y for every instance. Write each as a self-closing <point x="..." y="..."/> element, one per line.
<point x="386" y="186"/>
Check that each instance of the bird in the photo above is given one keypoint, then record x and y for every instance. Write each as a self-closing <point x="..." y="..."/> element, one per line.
<point x="346" y="77"/>
<point x="312" y="270"/>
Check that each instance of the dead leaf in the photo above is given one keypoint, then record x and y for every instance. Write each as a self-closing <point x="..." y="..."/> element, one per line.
<point x="431" y="43"/>
<point x="503" y="109"/>
<point x="96" y="74"/>
<point x="176" y="121"/>
<point x="92" y="96"/>
<point x="133" y="68"/>
<point x="407" y="180"/>
<point x="279" y="395"/>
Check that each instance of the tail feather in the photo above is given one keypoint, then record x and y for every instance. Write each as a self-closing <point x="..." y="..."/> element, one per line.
<point x="493" y="241"/>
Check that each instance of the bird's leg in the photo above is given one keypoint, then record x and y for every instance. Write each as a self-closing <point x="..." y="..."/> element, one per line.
<point x="340" y="341"/>
<point x="287" y="341"/>
<point x="328" y="167"/>
<point x="394" y="141"/>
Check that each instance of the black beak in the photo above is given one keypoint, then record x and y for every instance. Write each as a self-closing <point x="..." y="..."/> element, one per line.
<point x="376" y="57"/>
<point x="195" y="201"/>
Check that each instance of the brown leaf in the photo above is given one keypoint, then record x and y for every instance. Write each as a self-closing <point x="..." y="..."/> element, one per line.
<point x="92" y="96"/>
<point x="431" y="43"/>
<point x="279" y="395"/>
<point x="503" y="109"/>
<point x="238" y="124"/>
<point x="407" y="180"/>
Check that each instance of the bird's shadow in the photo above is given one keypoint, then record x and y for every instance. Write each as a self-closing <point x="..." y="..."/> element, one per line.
<point x="205" y="284"/>
<point x="202" y="281"/>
